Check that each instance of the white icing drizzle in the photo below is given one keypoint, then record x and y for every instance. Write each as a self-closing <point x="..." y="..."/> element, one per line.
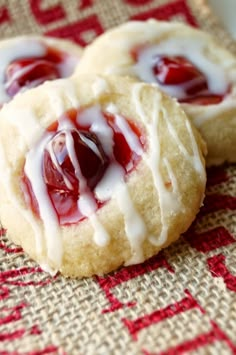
<point x="135" y="227"/>
<point x="21" y="49"/>
<point x="127" y="132"/>
<point x="101" y="236"/>
<point x="193" y="158"/>
<point x="94" y="118"/>
<point x="112" y="183"/>
<point x="111" y="108"/>
<point x="193" y="50"/>
<point x="86" y="202"/>
<point x="25" y="48"/>
<point x="9" y="189"/>
<point x="67" y="67"/>
<point x="153" y="160"/>
<point x="197" y="163"/>
<point x="168" y="198"/>
<point x="113" y="177"/>
<point x="57" y="165"/>
<point x="172" y="42"/>
<point x="33" y="170"/>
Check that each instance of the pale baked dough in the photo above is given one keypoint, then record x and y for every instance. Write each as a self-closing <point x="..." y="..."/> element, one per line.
<point x="27" y="46"/>
<point x="158" y="202"/>
<point x="111" y="54"/>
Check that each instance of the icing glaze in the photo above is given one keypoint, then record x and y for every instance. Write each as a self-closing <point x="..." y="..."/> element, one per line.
<point x="112" y="184"/>
<point x="28" y="62"/>
<point x="87" y="201"/>
<point x="48" y="215"/>
<point x="193" y="50"/>
<point x="135" y="226"/>
<point x="169" y="199"/>
<point x="154" y="38"/>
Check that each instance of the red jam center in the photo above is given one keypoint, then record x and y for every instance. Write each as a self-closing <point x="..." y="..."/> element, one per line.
<point x="179" y="72"/>
<point x="75" y="163"/>
<point x="31" y="72"/>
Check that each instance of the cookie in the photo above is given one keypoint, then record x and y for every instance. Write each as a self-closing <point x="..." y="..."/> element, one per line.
<point x="108" y="172"/>
<point x="186" y="63"/>
<point x="28" y="61"/>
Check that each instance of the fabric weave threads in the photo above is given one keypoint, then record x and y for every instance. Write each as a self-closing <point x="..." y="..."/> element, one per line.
<point x="181" y="301"/>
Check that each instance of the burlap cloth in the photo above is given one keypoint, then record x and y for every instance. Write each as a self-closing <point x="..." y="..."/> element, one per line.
<point x="183" y="300"/>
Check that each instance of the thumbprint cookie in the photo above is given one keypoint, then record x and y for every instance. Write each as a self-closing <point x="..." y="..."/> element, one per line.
<point x="28" y="61"/>
<point x="97" y="173"/>
<point x="184" y="62"/>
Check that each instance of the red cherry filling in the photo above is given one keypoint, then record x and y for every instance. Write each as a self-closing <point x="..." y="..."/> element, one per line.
<point x="31" y="72"/>
<point x="60" y="164"/>
<point x="176" y="70"/>
<point x="180" y="72"/>
<point x="74" y="162"/>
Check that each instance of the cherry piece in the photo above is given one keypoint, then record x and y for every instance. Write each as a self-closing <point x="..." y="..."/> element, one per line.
<point x="122" y="151"/>
<point x="178" y="71"/>
<point x="175" y="70"/>
<point x="31" y="72"/>
<point x="89" y="155"/>
<point x="74" y="162"/>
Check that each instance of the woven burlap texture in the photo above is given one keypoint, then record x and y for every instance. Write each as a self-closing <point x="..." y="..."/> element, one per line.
<point x="181" y="301"/>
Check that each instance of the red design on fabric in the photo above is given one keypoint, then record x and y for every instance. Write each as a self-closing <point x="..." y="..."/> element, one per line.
<point x="187" y="303"/>
<point x="215" y="334"/>
<point x="217" y="202"/>
<point x="4" y="292"/>
<point x="137" y="2"/>
<point x="166" y="12"/>
<point x="10" y="249"/>
<point x="126" y="274"/>
<point x="115" y="303"/>
<point x="45" y="16"/>
<point x="48" y="350"/>
<point x="10" y="277"/>
<point x="219" y="269"/>
<point x="4" y="15"/>
<point x="83" y="4"/>
<point x="35" y="330"/>
<point x="3" y="246"/>
<point x="216" y="175"/>
<point x="12" y="335"/>
<point x="14" y="313"/>
<point x="212" y="239"/>
<point x="77" y="31"/>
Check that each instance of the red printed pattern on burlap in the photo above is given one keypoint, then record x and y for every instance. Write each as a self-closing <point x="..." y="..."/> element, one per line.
<point x="50" y="16"/>
<point x="4" y="15"/>
<point x="202" y="242"/>
<point x="10" y="315"/>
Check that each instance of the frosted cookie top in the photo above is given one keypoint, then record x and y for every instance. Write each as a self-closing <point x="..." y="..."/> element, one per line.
<point x="186" y="63"/>
<point x="181" y="60"/>
<point x="98" y="166"/>
<point x="28" y="61"/>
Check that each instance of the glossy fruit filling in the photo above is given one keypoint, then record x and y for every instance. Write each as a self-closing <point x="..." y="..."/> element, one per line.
<point x="74" y="161"/>
<point x="180" y="73"/>
<point x="30" y="72"/>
